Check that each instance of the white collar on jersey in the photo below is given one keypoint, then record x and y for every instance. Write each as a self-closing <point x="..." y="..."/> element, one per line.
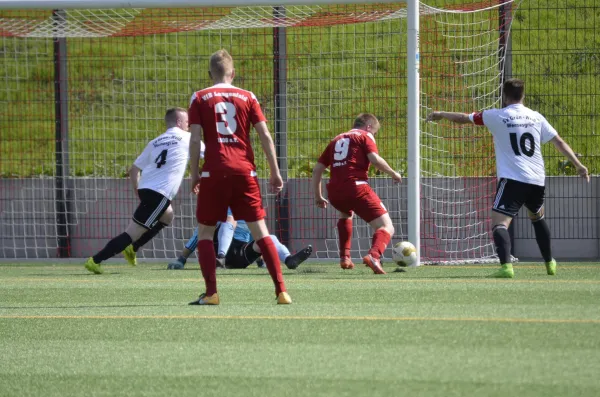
<point x="223" y="85"/>
<point x="175" y="129"/>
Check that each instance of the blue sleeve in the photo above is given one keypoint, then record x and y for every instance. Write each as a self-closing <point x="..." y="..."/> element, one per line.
<point x="193" y="241"/>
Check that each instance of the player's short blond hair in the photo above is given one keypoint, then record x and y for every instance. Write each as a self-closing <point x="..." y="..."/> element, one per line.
<point x="172" y="116"/>
<point x="365" y="119"/>
<point x="221" y="64"/>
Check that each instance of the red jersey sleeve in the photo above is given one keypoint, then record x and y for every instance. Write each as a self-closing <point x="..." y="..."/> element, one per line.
<point x="477" y="118"/>
<point x="256" y="114"/>
<point x="194" y="111"/>
<point x="326" y="156"/>
<point x="370" y="145"/>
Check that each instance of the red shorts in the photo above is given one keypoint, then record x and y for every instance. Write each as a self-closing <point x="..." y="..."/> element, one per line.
<point x="350" y="197"/>
<point x="218" y="192"/>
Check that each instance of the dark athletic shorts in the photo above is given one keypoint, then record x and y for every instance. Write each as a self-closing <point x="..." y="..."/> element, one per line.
<point x="511" y="195"/>
<point x="151" y="208"/>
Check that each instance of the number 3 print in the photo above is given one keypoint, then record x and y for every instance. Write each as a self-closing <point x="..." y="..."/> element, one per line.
<point x="225" y="114"/>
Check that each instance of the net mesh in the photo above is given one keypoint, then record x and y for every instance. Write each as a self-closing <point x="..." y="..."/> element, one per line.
<point x="125" y="67"/>
<point x="462" y="67"/>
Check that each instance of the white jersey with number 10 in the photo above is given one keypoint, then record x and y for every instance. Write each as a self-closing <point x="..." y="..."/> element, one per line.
<point x="164" y="161"/>
<point x="518" y="134"/>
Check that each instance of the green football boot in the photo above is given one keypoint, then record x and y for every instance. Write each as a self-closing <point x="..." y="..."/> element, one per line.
<point x="551" y="267"/>
<point x="93" y="266"/>
<point x="130" y="255"/>
<point x="506" y="272"/>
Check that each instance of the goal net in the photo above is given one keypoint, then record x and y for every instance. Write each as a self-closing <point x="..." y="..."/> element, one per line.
<point x="83" y="91"/>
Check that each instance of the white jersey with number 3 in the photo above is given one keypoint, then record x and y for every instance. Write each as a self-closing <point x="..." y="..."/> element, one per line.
<point x="163" y="162"/>
<point x="518" y="134"/>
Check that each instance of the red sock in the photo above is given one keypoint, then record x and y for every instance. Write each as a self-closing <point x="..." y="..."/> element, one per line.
<point x="269" y="253"/>
<point x="381" y="239"/>
<point x="345" y="234"/>
<point x="208" y="265"/>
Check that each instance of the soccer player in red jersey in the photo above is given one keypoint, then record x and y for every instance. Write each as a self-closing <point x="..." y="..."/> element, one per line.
<point x="225" y="114"/>
<point x="349" y="156"/>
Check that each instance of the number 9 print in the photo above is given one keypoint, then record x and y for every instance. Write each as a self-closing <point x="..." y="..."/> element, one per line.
<point x="341" y="149"/>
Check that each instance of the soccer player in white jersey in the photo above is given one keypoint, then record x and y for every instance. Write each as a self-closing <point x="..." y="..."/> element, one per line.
<point x="518" y="135"/>
<point x="162" y="165"/>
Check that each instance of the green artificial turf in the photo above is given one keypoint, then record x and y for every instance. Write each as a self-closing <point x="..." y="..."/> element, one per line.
<point x="433" y="331"/>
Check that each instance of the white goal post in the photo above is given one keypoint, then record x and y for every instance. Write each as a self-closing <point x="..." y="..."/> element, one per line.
<point x="451" y="28"/>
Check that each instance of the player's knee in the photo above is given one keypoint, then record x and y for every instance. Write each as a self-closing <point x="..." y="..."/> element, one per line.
<point x="536" y="216"/>
<point x="388" y="226"/>
<point x="135" y="231"/>
<point x="499" y="228"/>
<point x="205" y="232"/>
<point x="390" y="229"/>
<point x="258" y="229"/>
<point x="344" y="216"/>
<point x="168" y="216"/>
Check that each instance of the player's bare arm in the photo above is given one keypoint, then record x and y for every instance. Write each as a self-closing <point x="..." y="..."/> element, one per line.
<point x="459" y="118"/>
<point x="195" y="146"/>
<point x="382" y="165"/>
<point x="134" y="177"/>
<point x="317" y="175"/>
<point x="566" y="151"/>
<point x="266" y="142"/>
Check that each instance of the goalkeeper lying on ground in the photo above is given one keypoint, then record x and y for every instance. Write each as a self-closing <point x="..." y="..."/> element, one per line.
<point x="235" y="248"/>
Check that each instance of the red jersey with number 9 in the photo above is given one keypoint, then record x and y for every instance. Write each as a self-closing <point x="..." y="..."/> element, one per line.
<point x="226" y="115"/>
<point x="347" y="154"/>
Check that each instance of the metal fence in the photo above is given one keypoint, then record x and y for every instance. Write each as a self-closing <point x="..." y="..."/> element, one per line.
<point x="554" y="47"/>
<point x="556" y="50"/>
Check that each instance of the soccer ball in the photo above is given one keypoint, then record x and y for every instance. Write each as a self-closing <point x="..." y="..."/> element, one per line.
<point x="404" y="254"/>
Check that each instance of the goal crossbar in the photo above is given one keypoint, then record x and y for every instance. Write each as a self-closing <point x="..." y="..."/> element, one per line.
<point x="105" y="4"/>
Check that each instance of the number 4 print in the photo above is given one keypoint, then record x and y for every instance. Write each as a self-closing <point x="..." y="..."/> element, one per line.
<point x="161" y="159"/>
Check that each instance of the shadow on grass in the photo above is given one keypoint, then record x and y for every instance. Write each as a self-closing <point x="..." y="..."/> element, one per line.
<point x="227" y="272"/>
<point x="311" y="270"/>
<point x="51" y="275"/>
<point x="83" y="307"/>
<point x="373" y="277"/>
<point x="482" y="277"/>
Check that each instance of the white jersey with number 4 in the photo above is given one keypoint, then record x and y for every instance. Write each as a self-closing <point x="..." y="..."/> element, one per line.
<point x="163" y="162"/>
<point x="518" y="134"/>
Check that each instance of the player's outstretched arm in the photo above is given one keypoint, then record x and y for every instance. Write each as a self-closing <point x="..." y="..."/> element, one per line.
<point x="459" y="118"/>
<point x="382" y="165"/>
<point x="566" y="151"/>
<point x="195" y="146"/>
<point x="317" y="175"/>
<point x="134" y="177"/>
<point x="269" y="148"/>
